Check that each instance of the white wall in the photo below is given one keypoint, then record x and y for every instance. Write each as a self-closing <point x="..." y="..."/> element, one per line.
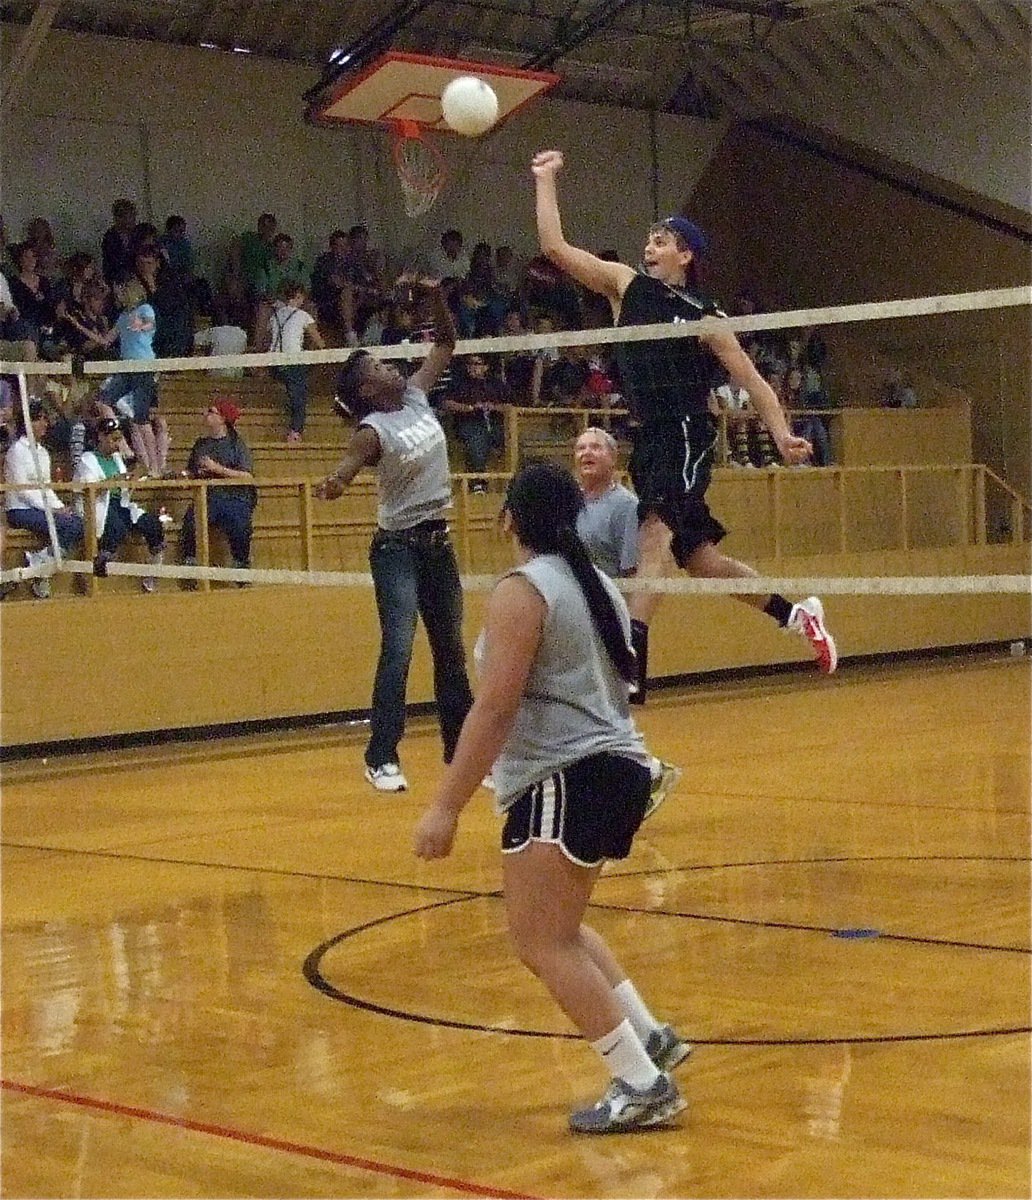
<point x="972" y="129"/>
<point x="220" y="138"/>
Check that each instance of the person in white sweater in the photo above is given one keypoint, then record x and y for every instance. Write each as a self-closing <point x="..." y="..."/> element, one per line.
<point x="27" y="505"/>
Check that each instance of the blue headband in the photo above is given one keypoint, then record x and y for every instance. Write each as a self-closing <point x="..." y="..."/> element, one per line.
<point x="689" y="233"/>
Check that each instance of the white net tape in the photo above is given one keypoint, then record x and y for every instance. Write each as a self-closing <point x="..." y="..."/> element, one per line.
<point x="878" y="585"/>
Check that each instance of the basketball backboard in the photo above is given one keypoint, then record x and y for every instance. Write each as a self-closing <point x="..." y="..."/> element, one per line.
<point x="401" y="87"/>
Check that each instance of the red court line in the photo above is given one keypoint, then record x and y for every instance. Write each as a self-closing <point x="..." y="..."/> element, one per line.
<point x="268" y="1143"/>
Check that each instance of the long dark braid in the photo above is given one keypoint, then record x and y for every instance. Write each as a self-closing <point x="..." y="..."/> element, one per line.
<point x="543" y="500"/>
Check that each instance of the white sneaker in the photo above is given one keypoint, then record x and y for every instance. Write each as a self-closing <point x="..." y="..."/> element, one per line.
<point x="387" y="778"/>
<point x="665" y="777"/>
<point x="488" y="782"/>
<point x="807" y="619"/>
<point x="40" y="586"/>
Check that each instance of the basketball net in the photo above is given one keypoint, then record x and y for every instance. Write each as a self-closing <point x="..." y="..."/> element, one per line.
<point x="420" y="165"/>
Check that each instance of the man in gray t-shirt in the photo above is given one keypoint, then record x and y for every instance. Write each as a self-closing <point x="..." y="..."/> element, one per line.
<point x="411" y="557"/>
<point x="608" y="523"/>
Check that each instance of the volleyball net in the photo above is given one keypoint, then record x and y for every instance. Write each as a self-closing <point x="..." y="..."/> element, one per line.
<point x="899" y="503"/>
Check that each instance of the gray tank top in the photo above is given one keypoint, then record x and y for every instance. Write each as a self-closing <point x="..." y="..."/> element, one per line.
<point x="575" y="701"/>
<point x="412" y="474"/>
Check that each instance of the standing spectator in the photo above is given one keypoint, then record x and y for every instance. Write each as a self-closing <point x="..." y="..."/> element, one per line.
<point x="117" y="247"/>
<point x="135" y="393"/>
<point x="517" y="368"/>
<point x="291" y="327"/>
<point x="27" y="507"/>
<point x="507" y="275"/>
<point x="222" y="454"/>
<point x="411" y="556"/>
<point x="115" y="513"/>
<point x="608" y="522"/>
<point x="477" y="402"/>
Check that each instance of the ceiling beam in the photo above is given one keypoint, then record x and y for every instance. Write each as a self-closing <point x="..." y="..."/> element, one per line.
<point x="29" y="46"/>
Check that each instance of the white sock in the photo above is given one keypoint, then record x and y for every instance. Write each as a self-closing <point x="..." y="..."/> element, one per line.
<point x="635" y="1009"/>
<point x="625" y="1058"/>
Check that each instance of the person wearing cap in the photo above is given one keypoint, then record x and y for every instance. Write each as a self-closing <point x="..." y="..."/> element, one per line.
<point x="668" y="383"/>
<point x="222" y="454"/>
<point x="411" y="555"/>
<point x="28" y="466"/>
<point x="115" y="513"/>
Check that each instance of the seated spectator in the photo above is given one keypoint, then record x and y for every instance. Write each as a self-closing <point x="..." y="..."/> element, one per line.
<point x="40" y="236"/>
<point x="516" y="369"/>
<point x="899" y="391"/>
<point x="804" y="424"/>
<point x="117" y="251"/>
<point x="364" y="271"/>
<point x="547" y="290"/>
<point x="222" y="337"/>
<point x="89" y="412"/>
<point x="179" y="255"/>
<point x="28" y="505"/>
<point x="222" y="454"/>
<point x="477" y="402"/>
<point x="177" y="247"/>
<point x="565" y="379"/>
<point x="35" y="299"/>
<point x="283" y="264"/>
<point x="449" y="262"/>
<point x="250" y="258"/>
<point x="77" y="270"/>
<point x="749" y="443"/>
<point x="117" y="517"/>
<point x="291" y="328"/>
<point x="135" y="394"/>
<point x="17" y="343"/>
<point x="397" y="322"/>
<point x="332" y="291"/>
<point x="166" y="293"/>
<point x="507" y="276"/>
<point x="85" y="329"/>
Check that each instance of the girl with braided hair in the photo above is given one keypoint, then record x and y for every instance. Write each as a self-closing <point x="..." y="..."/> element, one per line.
<point x="552" y="724"/>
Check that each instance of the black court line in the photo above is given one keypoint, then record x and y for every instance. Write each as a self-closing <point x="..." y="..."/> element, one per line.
<point x="291" y="872"/>
<point x="312" y="971"/>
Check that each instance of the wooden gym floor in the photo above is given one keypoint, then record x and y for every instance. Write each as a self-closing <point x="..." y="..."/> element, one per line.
<point x="225" y="974"/>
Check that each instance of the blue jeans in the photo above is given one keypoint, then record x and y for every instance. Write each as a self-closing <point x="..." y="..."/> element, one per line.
<point x="415" y="574"/>
<point x="229" y="512"/>
<point x="480" y="434"/>
<point x="295" y="380"/>
<point x="68" y="523"/>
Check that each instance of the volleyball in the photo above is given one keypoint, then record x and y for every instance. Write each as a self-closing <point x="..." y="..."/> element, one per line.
<point x="469" y="105"/>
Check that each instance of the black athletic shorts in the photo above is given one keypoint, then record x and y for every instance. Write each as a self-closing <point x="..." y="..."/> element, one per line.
<point x="671" y="467"/>
<point x="591" y="810"/>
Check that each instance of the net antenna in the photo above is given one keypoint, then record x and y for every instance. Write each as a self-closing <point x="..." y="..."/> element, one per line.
<point x="421" y="166"/>
<point x="403" y="92"/>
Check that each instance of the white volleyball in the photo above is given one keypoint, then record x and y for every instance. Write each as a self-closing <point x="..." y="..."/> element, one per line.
<point x="469" y="105"/>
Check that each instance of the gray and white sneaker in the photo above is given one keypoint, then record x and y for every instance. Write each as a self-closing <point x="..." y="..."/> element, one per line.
<point x="624" y="1108"/>
<point x="40" y="586"/>
<point x="667" y="1048"/>
<point x="665" y="777"/>
<point x="386" y="778"/>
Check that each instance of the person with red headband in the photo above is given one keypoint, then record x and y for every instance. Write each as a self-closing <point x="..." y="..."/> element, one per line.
<point x="222" y="454"/>
<point x="668" y="382"/>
